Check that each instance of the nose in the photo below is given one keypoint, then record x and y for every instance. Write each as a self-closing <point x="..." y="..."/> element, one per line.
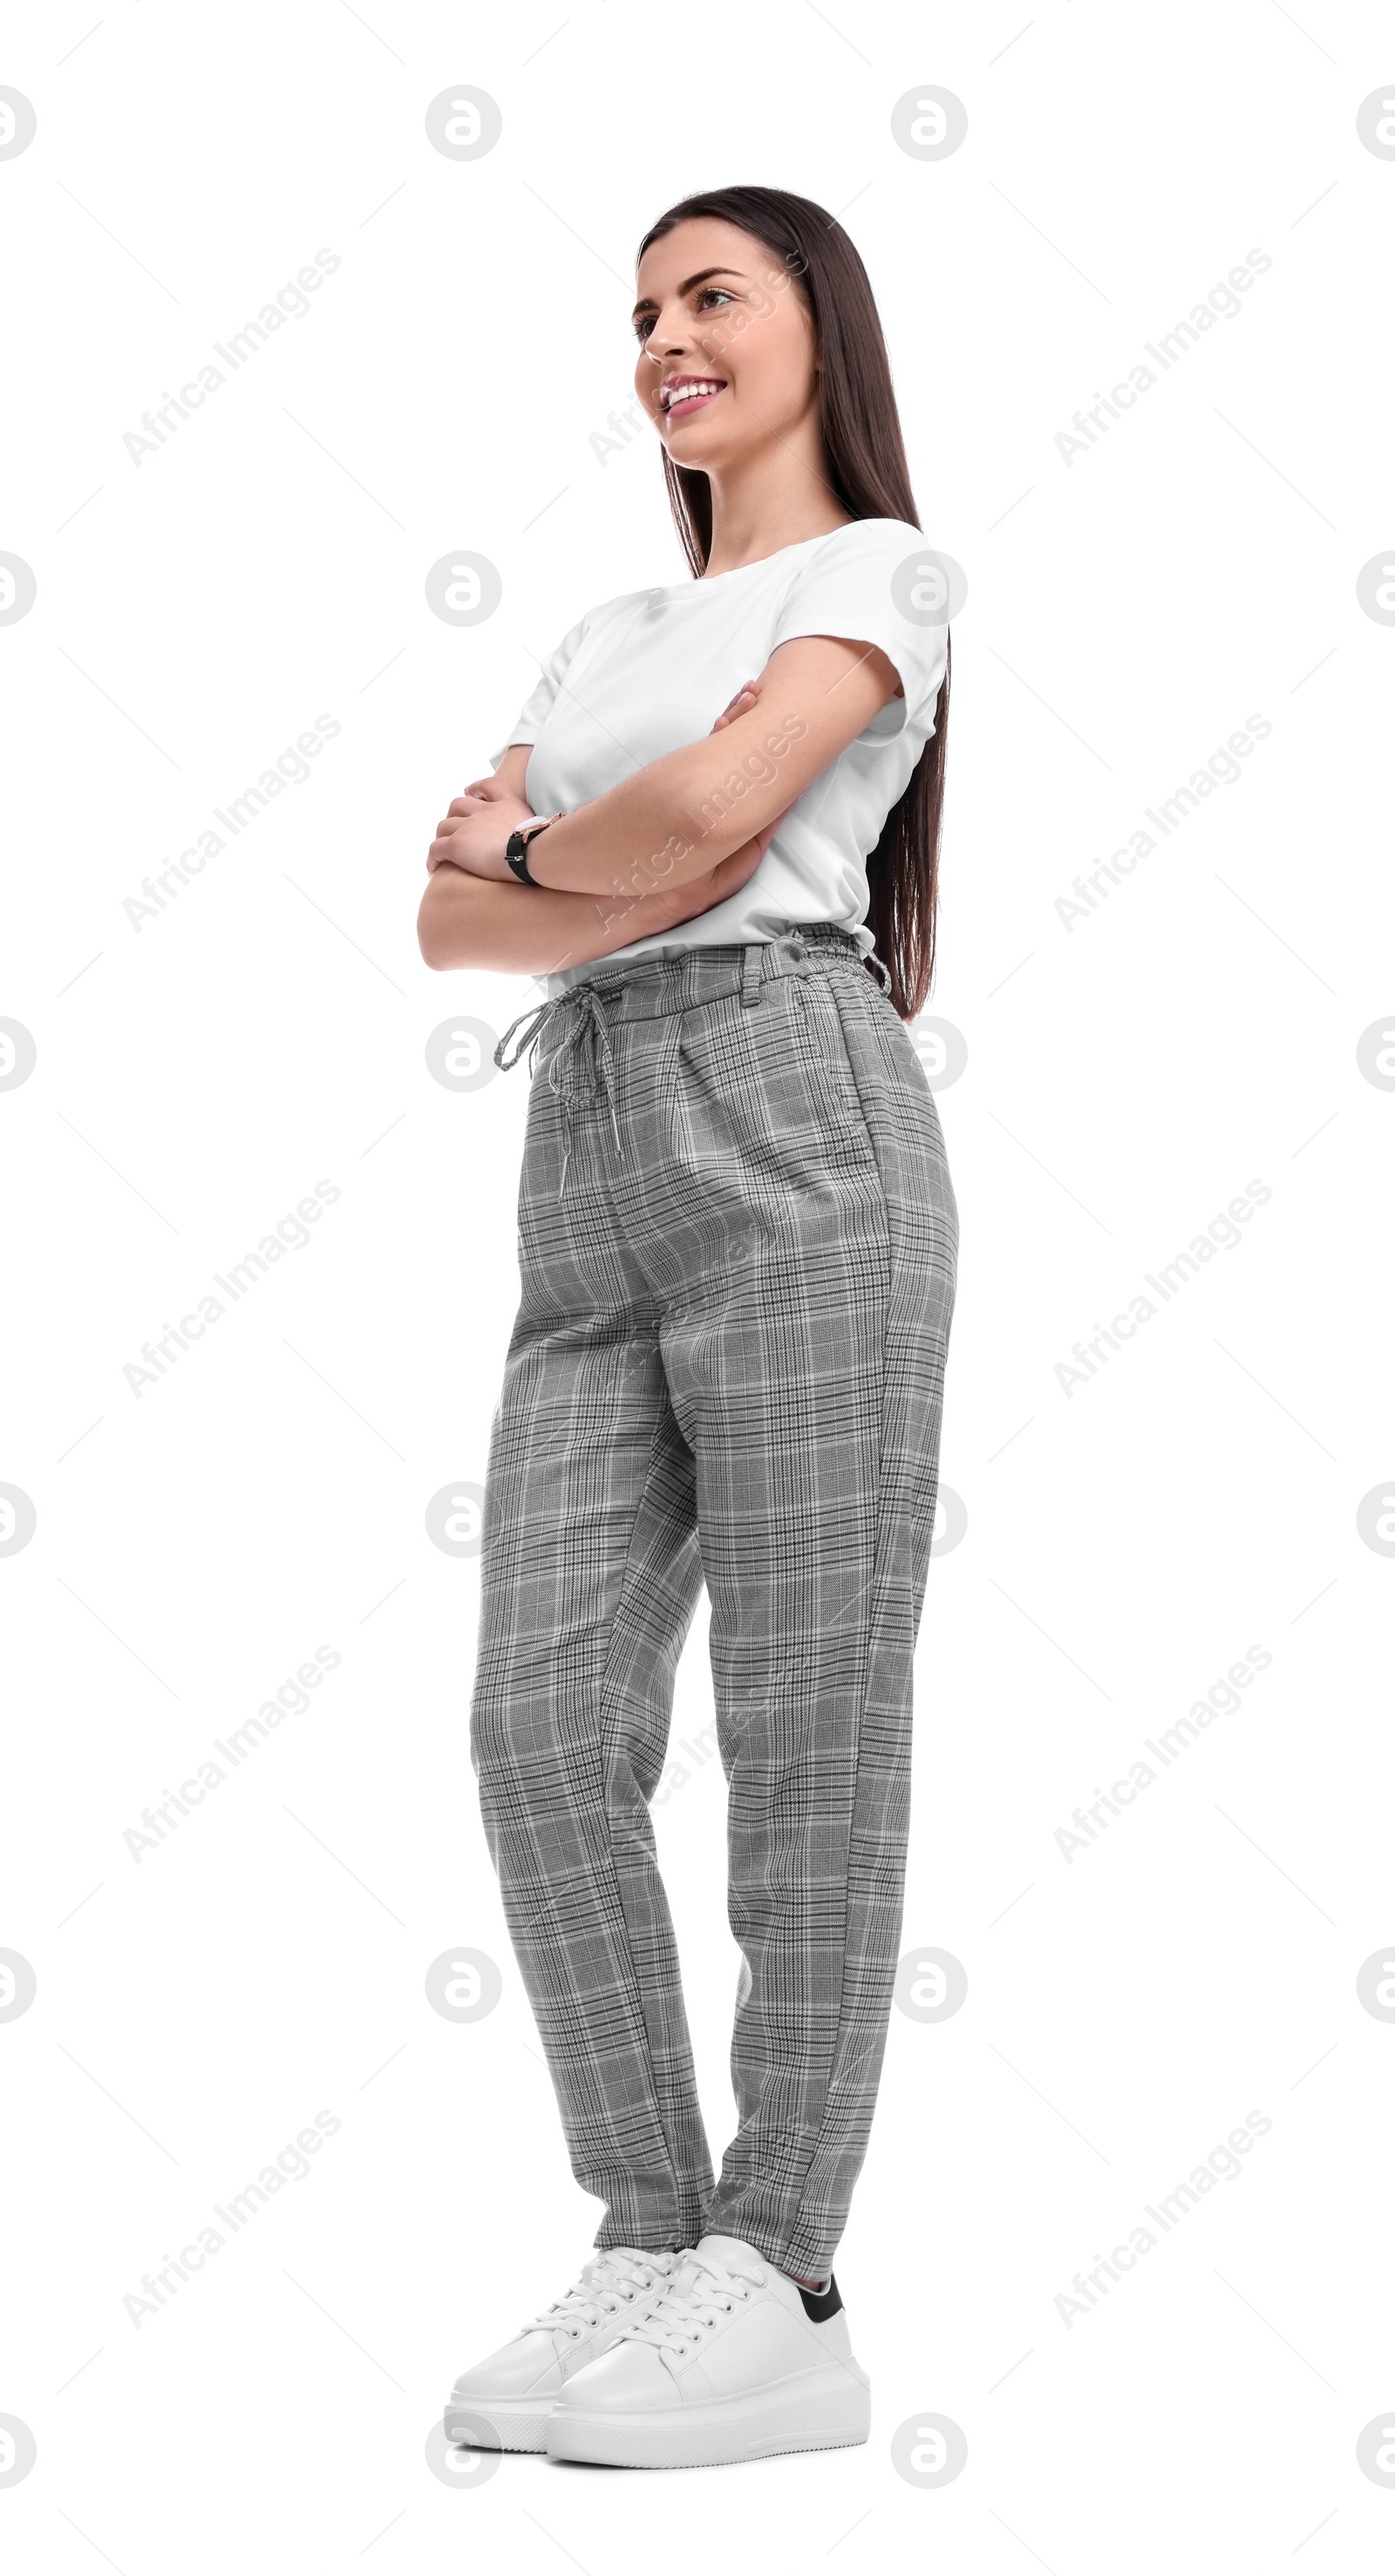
<point x="668" y="339"/>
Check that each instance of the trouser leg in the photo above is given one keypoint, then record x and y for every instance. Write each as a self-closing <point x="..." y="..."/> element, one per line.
<point x="808" y="1379"/>
<point x="590" y="1575"/>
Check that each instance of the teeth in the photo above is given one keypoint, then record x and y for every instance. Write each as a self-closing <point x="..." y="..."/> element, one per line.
<point x="689" y="392"/>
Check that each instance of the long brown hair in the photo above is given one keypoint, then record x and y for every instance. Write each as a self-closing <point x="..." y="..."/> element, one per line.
<point x="868" y="474"/>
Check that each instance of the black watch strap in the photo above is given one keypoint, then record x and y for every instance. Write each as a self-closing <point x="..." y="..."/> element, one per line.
<point x="516" y="848"/>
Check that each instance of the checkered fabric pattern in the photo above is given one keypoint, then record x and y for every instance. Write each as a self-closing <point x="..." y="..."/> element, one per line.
<point x="727" y="1366"/>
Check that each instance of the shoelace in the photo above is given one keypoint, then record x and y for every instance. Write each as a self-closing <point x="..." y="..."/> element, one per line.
<point x="697" y="2290"/>
<point x="611" y="2280"/>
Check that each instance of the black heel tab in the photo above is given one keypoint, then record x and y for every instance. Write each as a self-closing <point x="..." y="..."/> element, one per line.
<point x="820" y="2305"/>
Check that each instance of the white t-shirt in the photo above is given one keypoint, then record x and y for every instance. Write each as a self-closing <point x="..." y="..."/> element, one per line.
<point x="647" y="673"/>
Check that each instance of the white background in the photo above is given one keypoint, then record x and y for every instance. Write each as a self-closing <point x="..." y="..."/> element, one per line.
<point x="1125" y="1079"/>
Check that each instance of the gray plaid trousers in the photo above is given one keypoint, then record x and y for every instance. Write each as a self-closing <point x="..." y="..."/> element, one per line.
<point x="737" y="1246"/>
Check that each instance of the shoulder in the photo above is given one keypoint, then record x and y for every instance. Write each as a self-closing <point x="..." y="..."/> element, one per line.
<point x="626" y="604"/>
<point x="596" y="619"/>
<point x="606" y="618"/>
<point x="872" y="544"/>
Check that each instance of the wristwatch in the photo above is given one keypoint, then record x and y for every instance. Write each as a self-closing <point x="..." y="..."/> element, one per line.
<point x="516" y="846"/>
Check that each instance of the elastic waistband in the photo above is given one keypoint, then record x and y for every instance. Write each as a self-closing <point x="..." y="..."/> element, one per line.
<point x="678" y="978"/>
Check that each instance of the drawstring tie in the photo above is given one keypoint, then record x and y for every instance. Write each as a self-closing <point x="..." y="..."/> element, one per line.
<point x="583" y="1062"/>
<point x="576" y="1071"/>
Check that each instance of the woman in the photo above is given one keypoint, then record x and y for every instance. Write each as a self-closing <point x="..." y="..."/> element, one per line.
<point x="737" y="1243"/>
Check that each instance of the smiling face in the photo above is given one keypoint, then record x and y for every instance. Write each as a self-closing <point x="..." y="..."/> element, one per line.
<point x="727" y="357"/>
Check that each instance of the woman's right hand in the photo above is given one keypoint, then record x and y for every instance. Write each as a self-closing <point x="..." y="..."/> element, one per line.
<point x="745" y="697"/>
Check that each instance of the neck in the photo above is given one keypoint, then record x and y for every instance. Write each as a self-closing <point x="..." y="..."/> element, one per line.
<point x="776" y="497"/>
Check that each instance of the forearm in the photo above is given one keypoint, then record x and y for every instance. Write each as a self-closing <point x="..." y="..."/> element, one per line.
<point x="672" y="841"/>
<point x="680" y="816"/>
<point x="526" y="930"/>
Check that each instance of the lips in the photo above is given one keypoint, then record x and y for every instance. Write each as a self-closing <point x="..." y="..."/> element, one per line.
<point x="682" y="396"/>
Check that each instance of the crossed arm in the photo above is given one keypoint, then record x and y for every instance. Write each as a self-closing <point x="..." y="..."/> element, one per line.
<point x="681" y="835"/>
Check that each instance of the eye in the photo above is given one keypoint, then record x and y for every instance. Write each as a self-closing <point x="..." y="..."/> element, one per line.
<point x="705" y="298"/>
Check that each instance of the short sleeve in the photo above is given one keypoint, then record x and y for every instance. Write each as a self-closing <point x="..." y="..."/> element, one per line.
<point x="541" y="699"/>
<point x="870" y="584"/>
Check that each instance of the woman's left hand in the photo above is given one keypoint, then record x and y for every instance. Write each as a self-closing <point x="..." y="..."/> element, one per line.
<point x="473" y="832"/>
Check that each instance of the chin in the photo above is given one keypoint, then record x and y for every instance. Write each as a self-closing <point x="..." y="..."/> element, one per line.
<point x="689" y="447"/>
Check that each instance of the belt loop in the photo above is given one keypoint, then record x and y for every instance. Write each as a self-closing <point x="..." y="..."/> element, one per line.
<point x="750" y="973"/>
<point x="800" y="948"/>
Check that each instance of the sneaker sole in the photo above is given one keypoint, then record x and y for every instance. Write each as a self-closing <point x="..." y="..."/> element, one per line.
<point x="820" y="2410"/>
<point x="499" y="2423"/>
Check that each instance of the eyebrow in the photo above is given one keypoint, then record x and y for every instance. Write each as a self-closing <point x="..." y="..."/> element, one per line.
<point x="648" y="305"/>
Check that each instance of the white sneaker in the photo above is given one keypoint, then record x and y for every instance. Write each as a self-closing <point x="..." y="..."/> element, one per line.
<point x="503" y="2403"/>
<point x="734" y="2362"/>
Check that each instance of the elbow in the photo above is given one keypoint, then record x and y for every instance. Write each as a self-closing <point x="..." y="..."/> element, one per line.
<point x="459" y="924"/>
<point x="438" y="949"/>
